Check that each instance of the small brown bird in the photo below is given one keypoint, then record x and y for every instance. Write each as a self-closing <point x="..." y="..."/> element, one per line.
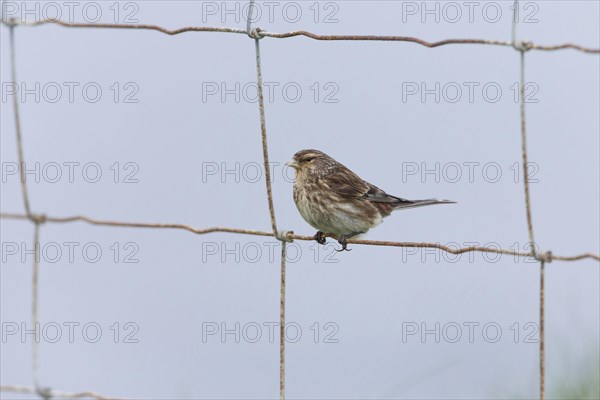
<point x="334" y="200"/>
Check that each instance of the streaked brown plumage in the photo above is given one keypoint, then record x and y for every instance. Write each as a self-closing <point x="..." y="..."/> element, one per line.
<point x="334" y="200"/>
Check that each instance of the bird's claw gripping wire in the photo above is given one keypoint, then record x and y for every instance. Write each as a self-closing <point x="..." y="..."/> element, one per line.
<point x="320" y="237"/>
<point x="343" y="240"/>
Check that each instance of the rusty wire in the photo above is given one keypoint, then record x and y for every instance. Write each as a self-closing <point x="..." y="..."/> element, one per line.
<point x="17" y="114"/>
<point x="310" y="35"/>
<point x="291" y="236"/>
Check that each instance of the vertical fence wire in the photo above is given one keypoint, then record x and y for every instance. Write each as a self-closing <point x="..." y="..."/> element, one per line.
<point x="17" y="115"/>
<point x="523" y="48"/>
<point x="35" y="306"/>
<point x="36" y="220"/>
<point x="282" y="324"/>
<point x="542" y="333"/>
<point x="514" y="21"/>
<point x="532" y="245"/>
<point x="263" y="127"/>
<point x="256" y="35"/>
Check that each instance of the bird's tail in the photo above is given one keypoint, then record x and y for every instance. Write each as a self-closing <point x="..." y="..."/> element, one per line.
<point x="403" y="203"/>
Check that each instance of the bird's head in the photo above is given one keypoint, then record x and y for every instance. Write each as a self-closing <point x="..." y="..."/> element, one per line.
<point x="311" y="162"/>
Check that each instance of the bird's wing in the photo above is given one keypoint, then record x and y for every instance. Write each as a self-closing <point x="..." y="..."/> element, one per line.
<point x="347" y="184"/>
<point x="377" y="195"/>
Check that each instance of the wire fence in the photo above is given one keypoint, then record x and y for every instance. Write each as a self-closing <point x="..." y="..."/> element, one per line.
<point x="256" y="34"/>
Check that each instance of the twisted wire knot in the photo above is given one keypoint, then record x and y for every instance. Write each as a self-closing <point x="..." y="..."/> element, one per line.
<point x="38" y="219"/>
<point x="11" y="22"/>
<point x="544" y="257"/>
<point x="285" y="236"/>
<point x="256" y="33"/>
<point x="522" y="45"/>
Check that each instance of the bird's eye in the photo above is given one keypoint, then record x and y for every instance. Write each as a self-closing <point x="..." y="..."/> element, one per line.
<point x="309" y="159"/>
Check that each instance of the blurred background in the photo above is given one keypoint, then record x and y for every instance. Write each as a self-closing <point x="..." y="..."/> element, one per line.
<point x="143" y="127"/>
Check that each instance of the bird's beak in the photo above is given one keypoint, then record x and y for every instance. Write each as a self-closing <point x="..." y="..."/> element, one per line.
<point x="292" y="164"/>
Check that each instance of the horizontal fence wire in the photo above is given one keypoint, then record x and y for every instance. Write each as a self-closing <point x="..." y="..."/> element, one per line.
<point x="289" y="236"/>
<point x="310" y="35"/>
<point x="283" y="236"/>
<point x="47" y="394"/>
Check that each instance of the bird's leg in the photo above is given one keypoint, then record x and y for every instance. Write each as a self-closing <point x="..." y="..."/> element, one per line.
<point x="343" y="240"/>
<point x="319" y="237"/>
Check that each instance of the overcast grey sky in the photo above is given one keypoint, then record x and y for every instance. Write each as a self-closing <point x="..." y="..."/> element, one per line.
<point x="172" y="126"/>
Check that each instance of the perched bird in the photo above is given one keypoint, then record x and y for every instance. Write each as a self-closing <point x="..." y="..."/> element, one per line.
<point x="334" y="200"/>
